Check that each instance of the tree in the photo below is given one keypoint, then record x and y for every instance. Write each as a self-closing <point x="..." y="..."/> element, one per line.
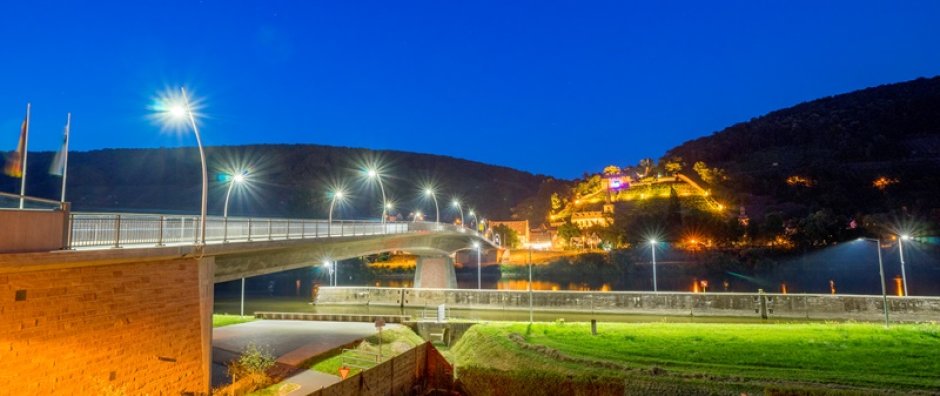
<point x="673" y="165"/>
<point x="567" y="231"/>
<point x="508" y="236"/>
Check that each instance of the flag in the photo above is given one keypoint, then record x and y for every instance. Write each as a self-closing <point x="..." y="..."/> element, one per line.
<point x="58" y="163"/>
<point x="14" y="166"/>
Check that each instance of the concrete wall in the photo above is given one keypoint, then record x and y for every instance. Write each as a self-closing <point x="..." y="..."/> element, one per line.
<point x="809" y="306"/>
<point x="135" y="328"/>
<point x="32" y="230"/>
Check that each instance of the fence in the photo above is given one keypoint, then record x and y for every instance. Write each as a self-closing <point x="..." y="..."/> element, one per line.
<point x="103" y="230"/>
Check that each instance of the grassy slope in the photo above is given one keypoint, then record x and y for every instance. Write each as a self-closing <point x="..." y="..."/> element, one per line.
<point x="219" y="320"/>
<point x="395" y="340"/>
<point x="854" y="355"/>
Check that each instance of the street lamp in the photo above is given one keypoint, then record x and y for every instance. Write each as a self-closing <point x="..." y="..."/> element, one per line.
<point x="337" y="195"/>
<point x="236" y="178"/>
<point x="416" y="216"/>
<point x="430" y="192"/>
<point x="881" y="271"/>
<point x="653" y="249"/>
<point x="374" y="174"/>
<point x="180" y="111"/>
<point x="475" y="219"/>
<point x="903" y="237"/>
<point x="329" y="267"/>
<point x="457" y="205"/>
<point x="478" y="247"/>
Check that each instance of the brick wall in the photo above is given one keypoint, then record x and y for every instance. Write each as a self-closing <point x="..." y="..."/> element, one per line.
<point x="134" y="329"/>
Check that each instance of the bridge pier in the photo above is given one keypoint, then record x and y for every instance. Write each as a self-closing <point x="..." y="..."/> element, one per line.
<point x="435" y="272"/>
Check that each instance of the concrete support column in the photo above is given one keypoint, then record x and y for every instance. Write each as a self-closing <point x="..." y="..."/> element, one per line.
<point x="206" y="301"/>
<point x="435" y="272"/>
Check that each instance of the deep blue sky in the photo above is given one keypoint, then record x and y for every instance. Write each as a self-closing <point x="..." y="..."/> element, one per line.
<point x="550" y="87"/>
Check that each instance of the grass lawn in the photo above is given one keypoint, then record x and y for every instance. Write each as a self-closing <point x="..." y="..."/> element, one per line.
<point x="395" y="340"/>
<point x="850" y="356"/>
<point x="219" y="320"/>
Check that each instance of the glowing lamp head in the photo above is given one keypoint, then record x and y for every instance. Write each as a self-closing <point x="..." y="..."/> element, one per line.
<point x="326" y="263"/>
<point x="238" y="178"/>
<point x="653" y="241"/>
<point x="476" y="245"/>
<point x="338" y="194"/>
<point x="906" y="237"/>
<point x="177" y="111"/>
<point x="429" y="192"/>
<point x="388" y="205"/>
<point x="471" y="213"/>
<point x="372" y="173"/>
<point x="456" y="203"/>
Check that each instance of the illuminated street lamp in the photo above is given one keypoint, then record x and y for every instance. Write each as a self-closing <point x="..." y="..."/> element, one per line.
<point x="653" y="249"/>
<point x="330" y="267"/>
<point x="881" y="271"/>
<point x="180" y="110"/>
<point x="430" y="192"/>
<point x="901" y="239"/>
<point x="237" y="178"/>
<point x="474" y="215"/>
<point x="457" y="205"/>
<point x="478" y="247"/>
<point x="416" y="216"/>
<point x="374" y="174"/>
<point x="337" y="195"/>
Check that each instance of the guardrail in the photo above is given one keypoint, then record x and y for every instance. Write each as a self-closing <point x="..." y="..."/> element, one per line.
<point x="103" y="230"/>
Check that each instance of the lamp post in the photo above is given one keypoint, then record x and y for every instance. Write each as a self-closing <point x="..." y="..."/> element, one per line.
<point x="653" y="249"/>
<point x="478" y="247"/>
<point x="329" y="268"/>
<point x="182" y="111"/>
<point x="416" y="216"/>
<point x="901" y="240"/>
<point x="236" y="178"/>
<point x="881" y="271"/>
<point x="437" y="210"/>
<point x="374" y="174"/>
<point x="475" y="219"/>
<point x="457" y="205"/>
<point x="338" y="194"/>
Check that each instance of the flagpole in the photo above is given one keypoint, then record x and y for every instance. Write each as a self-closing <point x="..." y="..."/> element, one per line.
<point x="65" y="164"/>
<point x="25" y="150"/>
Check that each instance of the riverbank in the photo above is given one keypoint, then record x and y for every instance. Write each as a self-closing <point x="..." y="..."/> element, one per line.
<point x="682" y="358"/>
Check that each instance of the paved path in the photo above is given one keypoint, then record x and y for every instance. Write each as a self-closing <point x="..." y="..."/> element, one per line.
<point x="291" y="341"/>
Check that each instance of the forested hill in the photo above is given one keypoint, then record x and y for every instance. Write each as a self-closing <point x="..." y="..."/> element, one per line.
<point x="286" y="180"/>
<point x="831" y="153"/>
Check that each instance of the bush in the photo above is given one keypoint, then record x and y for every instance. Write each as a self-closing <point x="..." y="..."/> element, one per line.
<point x="250" y="370"/>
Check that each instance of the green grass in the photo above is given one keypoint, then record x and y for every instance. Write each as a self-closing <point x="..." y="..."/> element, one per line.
<point x="852" y="355"/>
<point x="395" y="340"/>
<point x="219" y="320"/>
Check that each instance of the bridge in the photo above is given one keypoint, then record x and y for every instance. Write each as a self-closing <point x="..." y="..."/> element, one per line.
<point x="93" y="302"/>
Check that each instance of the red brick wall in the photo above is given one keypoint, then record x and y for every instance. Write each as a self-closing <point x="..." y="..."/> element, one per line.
<point x="131" y="329"/>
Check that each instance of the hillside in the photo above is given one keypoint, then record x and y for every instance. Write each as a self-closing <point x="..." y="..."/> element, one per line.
<point x="871" y="151"/>
<point x="286" y="180"/>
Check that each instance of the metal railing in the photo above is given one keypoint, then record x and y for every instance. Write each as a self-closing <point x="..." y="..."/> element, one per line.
<point x="103" y="230"/>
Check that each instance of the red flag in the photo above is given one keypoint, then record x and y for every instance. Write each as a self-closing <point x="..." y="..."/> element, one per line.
<point x="14" y="166"/>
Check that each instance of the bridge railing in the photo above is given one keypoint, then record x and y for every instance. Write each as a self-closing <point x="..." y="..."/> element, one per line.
<point x="123" y="229"/>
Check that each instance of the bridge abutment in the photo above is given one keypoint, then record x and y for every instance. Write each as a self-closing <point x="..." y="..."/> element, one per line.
<point x="128" y="328"/>
<point x="435" y="272"/>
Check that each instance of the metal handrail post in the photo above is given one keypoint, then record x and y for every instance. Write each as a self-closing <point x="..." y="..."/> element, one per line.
<point x="160" y="237"/>
<point x="269" y="229"/>
<point x="117" y="231"/>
